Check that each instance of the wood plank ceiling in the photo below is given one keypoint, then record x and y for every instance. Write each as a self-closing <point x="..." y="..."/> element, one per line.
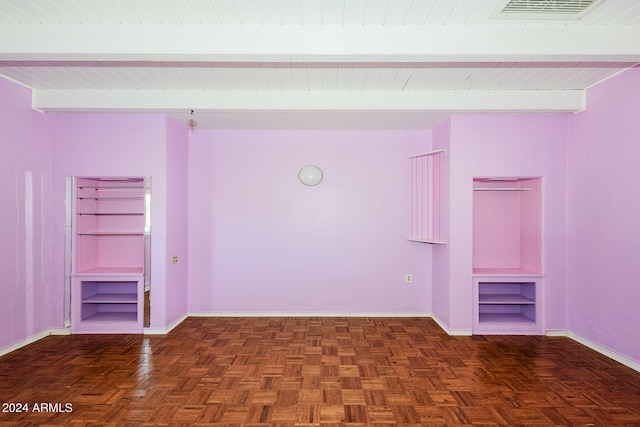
<point x="379" y="64"/>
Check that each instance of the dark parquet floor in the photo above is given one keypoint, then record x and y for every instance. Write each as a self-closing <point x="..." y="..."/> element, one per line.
<point x="314" y="372"/>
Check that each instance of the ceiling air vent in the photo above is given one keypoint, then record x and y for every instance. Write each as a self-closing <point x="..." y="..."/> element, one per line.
<point x="547" y="9"/>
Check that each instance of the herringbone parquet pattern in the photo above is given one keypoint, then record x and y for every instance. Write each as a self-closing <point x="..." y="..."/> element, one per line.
<point x="317" y="372"/>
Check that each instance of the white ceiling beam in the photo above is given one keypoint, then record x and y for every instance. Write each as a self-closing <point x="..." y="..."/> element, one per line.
<point x="365" y="43"/>
<point x="407" y="101"/>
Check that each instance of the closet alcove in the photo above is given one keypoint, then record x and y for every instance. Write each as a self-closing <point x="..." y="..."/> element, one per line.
<point x="507" y="274"/>
<point x="110" y="253"/>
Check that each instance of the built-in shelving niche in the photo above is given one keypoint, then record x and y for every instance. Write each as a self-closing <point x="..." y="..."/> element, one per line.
<point x="506" y="226"/>
<point x="109" y="225"/>
<point x="109" y="300"/>
<point x="111" y="229"/>
<point x="507" y="302"/>
<point x="507" y="305"/>
<point x="507" y="267"/>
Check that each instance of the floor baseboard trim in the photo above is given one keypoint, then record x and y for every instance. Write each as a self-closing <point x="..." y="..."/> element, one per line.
<point x="164" y="331"/>
<point x="630" y="363"/>
<point x="441" y="324"/>
<point x="451" y="332"/>
<point x="557" y="333"/>
<point x="302" y="314"/>
<point x="31" y="339"/>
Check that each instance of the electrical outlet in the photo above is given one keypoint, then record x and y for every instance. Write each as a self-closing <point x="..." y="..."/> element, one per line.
<point x="174" y="259"/>
<point x="408" y="278"/>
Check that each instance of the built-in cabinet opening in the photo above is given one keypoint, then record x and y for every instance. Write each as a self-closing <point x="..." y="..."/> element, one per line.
<point x="506" y="225"/>
<point x="507" y="302"/>
<point x="109" y="225"/>
<point x="110" y="229"/>
<point x="507" y="267"/>
<point x="106" y="300"/>
<point x="508" y="305"/>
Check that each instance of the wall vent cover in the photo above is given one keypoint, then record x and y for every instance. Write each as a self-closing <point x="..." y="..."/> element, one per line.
<point x="547" y="9"/>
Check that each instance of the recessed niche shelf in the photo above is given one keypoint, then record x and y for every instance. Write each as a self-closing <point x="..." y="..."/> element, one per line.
<point x="508" y="299"/>
<point x="507" y="305"/>
<point x="506" y="302"/>
<point x="110" y="225"/>
<point x="112" y="317"/>
<point x="106" y="292"/>
<point x="501" y="317"/>
<point x="507" y="266"/>
<point x="111" y="213"/>
<point x="111" y="271"/>
<point x="111" y="233"/>
<point x="506" y="226"/>
<point x="106" y="304"/>
<point x="504" y="272"/>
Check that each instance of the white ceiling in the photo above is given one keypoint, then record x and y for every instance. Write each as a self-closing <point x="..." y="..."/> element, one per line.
<point x="311" y="64"/>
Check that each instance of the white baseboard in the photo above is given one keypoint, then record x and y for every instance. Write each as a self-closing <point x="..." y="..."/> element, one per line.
<point x="302" y="314"/>
<point x="597" y="348"/>
<point x="441" y="324"/>
<point x="451" y="332"/>
<point x="164" y="331"/>
<point x="557" y="333"/>
<point x="33" y="338"/>
<point x="630" y="363"/>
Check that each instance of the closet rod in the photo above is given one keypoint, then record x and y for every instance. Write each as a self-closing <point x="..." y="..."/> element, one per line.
<point x="502" y="189"/>
<point x="428" y="153"/>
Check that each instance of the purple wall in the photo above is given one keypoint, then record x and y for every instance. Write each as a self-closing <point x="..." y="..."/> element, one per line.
<point x="524" y="145"/>
<point x="25" y="220"/>
<point x="177" y="208"/>
<point x="120" y="145"/>
<point x="442" y="253"/>
<point x="260" y="241"/>
<point x="604" y="207"/>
